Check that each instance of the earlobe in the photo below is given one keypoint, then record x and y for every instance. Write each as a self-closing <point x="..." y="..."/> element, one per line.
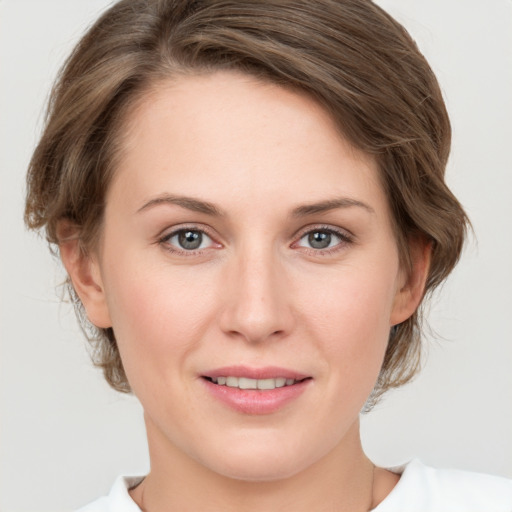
<point x="84" y="272"/>
<point x="410" y="293"/>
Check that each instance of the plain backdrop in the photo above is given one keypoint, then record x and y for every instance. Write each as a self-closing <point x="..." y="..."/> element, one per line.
<point x="65" y="435"/>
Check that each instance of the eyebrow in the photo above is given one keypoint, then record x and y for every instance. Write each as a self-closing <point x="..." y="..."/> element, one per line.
<point x="190" y="203"/>
<point x="200" y="206"/>
<point x="330" y="204"/>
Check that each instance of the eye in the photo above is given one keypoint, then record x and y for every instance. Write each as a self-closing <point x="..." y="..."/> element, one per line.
<point x="188" y="240"/>
<point x="321" y="239"/>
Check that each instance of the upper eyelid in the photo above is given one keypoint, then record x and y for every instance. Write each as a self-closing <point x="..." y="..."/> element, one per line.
<point x="343" y="232"/>
<point x="174" y="233"/>
<point x="168" y="232"/>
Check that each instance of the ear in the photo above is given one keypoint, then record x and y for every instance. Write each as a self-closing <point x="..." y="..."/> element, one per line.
<point x="84" y="271"/>
<point x="411" y="287"/>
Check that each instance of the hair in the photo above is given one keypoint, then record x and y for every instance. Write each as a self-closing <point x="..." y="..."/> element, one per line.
<point x="349" y="55"/>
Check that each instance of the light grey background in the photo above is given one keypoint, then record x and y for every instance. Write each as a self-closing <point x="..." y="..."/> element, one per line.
<point x="65" y="435"/>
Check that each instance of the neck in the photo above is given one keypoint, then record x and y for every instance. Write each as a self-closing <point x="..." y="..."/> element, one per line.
<point x="342" y="480"/>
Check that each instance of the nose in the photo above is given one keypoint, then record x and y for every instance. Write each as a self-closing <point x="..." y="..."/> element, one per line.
<point x="257" y="300"/>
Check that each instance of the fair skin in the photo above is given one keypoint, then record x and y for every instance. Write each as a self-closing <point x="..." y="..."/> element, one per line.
<point x="241" y="230"/>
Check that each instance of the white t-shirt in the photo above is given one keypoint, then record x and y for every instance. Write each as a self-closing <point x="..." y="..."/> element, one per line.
<point x="420" y="489"/>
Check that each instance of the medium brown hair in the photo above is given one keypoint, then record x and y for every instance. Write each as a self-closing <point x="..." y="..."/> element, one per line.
<point x="349" y="55"/>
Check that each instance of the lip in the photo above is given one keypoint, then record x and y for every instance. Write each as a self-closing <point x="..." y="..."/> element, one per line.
<point x="267" y="372"/>
<point x="253" y="401"/>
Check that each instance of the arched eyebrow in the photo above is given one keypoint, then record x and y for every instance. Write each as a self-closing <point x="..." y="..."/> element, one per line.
<point x="190" y="203"/>
<point x="201" y="206"/>
<point x="330" y="204"/>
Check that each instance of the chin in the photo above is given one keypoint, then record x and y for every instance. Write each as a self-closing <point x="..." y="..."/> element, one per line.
<point x="259" y="471"/>
<point x="260" y="462"/>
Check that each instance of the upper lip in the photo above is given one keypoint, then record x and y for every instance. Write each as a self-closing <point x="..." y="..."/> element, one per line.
<point x="266" y="372"/>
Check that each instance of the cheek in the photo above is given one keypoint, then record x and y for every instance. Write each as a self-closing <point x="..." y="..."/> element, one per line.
<point x="158" y="314"/>
<point x="351" y="320"/>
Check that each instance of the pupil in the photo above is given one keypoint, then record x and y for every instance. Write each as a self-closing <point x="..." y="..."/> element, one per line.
<point x="319" y="239"/>
<point x="190" y="239"/>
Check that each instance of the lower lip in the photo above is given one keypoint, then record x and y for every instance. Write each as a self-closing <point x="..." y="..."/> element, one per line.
<point x="253" y="401"/>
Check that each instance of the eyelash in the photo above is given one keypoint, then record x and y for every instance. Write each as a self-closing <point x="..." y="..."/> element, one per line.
<point x="165" y="240"/>
<point x="344" y="237"/>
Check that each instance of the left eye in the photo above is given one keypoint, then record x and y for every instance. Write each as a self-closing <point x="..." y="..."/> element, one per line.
<point x="320" y="239"/>
<point x="189" y="239"/>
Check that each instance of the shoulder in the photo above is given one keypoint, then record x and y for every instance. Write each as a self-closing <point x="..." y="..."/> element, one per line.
<point x="426" y="489"/>
<point x="118" y="500"/>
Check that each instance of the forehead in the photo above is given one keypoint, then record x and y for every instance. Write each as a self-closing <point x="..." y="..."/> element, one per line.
<point x="227" y="132"/>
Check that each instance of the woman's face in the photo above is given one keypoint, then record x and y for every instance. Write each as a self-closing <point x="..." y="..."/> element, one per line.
<point x="246" y="245"/>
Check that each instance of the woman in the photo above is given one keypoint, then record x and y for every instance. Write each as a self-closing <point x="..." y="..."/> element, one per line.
<point x="249" y="201"/>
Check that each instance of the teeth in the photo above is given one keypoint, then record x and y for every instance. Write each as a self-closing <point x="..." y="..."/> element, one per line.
<point x="266" y="384"/>
<point x="246" y="383"/>
<point x="232" y="382"/>
<point x="280" y="382"/>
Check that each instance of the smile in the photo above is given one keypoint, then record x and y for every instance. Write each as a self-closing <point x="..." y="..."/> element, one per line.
<point x="255" y="391"/>
<point x="247" y="383"/>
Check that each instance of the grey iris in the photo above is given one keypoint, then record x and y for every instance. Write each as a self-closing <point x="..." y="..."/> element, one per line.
<point x="319" y="239"/>
<point x="190" y="240"/>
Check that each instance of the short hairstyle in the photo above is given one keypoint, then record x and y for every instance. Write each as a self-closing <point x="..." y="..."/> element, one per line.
<point x="349" y="55"/>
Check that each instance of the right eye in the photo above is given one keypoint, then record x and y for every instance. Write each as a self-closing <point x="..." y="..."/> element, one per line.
<point x="187" y="240"/>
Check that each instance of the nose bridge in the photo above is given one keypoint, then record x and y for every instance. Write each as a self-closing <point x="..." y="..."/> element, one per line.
<point x="257" y="305"/>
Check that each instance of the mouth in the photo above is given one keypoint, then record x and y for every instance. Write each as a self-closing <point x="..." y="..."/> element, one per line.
<point x="254" y="384"/>
<point x="255" y="391"/>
